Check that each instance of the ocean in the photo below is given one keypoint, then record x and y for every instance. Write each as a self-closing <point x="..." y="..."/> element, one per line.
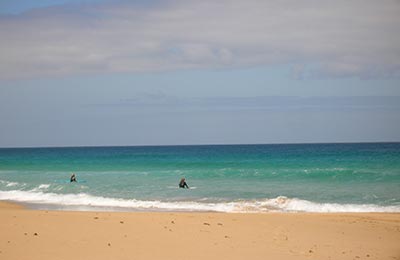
<point x="359" y="177"/>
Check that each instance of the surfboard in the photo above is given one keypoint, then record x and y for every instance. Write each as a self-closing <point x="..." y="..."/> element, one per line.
<point x="68" y="181"/>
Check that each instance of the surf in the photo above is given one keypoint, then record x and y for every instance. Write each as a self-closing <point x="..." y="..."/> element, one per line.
<point x="39" y="199"/>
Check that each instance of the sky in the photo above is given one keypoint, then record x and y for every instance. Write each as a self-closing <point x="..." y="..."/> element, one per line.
<point x="171" y="72"/>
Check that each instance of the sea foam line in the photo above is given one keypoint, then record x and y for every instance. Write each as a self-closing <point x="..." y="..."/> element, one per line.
<point x="279" y="204"/>
<point x="9" y="183"/>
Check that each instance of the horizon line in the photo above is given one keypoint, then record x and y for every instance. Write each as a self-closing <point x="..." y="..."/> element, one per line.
<point x="215" y="144"/>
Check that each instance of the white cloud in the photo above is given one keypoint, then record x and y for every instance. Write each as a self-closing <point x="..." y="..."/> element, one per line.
<point x="323" y="38"/>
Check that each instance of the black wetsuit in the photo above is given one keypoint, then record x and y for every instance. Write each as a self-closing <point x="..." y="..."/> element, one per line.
<point x="183" y="184"/>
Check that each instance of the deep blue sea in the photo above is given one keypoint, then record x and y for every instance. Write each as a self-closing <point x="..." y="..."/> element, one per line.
<point x="362" y="177"/>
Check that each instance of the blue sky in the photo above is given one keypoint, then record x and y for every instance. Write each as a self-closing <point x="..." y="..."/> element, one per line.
<point x="78" y="73"/>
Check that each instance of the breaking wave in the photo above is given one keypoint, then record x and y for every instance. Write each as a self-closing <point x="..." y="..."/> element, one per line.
<point x="84" y="201"/>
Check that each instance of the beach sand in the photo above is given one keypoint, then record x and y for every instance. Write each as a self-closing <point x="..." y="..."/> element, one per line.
<point x="36" y="234"/>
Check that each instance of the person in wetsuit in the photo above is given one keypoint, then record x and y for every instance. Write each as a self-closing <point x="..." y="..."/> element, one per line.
<point x="183" y="184"/>
<point x="73" y="178"/>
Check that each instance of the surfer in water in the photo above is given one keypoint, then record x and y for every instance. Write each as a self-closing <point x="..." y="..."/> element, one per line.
<point x="183" y="184"/>
<point x="73" y="178"/>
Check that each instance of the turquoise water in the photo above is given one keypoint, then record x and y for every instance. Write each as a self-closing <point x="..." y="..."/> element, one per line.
<point x="229" y="178"/>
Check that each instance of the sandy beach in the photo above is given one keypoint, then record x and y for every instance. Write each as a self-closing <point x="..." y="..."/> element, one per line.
<point x="35" y="234"/>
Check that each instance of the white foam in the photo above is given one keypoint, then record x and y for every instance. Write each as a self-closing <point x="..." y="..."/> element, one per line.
<point x="9" y="183"/>
<point x="83" y="199"/>
<point x="282" y="203"/>
<point x="279" y="204"/>
<point x="41" y="187"/>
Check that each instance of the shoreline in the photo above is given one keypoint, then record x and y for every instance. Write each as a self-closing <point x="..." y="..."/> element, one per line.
<point x="91" y="208"/>
<point x="207" y="207"/>
<point x="43" y="234"/>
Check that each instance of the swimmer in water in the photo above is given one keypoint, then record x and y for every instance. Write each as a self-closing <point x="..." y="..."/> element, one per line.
<point x="73" y="178"/>
<point x="183" y="184"/>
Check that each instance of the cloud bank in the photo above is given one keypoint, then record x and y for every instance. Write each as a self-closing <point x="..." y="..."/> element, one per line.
<point x="318" y="39"/>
